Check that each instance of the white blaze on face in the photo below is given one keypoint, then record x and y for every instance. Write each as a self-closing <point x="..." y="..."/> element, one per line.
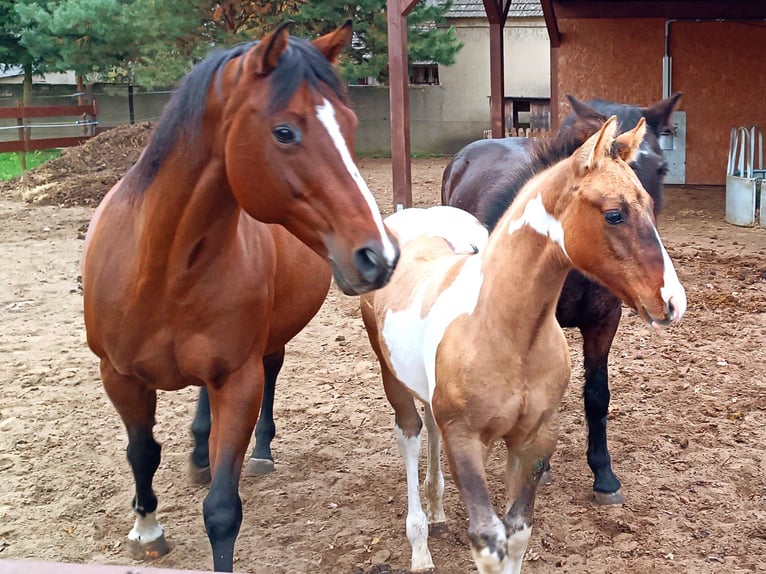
<point x="326" y="115"/>
<point x="672" y="291"/>
<point x="536" y="217"/>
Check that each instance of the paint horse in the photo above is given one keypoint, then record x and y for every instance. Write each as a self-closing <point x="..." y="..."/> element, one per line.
<point x="474" y="337"/>
<point x="195" y="262"/>
<point x="485" y="176"/>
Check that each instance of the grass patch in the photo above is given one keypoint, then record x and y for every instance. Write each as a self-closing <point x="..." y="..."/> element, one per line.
<point x="10" y="163"/>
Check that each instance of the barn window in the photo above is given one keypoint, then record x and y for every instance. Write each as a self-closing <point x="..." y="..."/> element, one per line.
<point x="424" y="73"/>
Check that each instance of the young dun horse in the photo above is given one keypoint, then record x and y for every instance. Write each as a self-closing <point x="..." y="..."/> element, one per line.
<point x="188" y="281"/>
<point x="485" y="176"/>
<point x="475" y="338"/>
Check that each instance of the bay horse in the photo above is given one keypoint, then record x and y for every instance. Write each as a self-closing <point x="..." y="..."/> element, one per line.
<point x="485" y="176"/>
<point x="195" y="263"/>
<point x="474" y="337"/>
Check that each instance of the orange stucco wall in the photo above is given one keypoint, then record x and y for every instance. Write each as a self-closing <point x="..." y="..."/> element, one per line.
<point x="720" y="67"/>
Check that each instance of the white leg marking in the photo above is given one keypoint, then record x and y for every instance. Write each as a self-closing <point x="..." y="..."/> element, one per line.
<point x="146" y="529"/>
<point x="516" y="546"/>
<point x="433" y="485"/>
<point x="326" y="115"/>
<point x="417" y="523"/>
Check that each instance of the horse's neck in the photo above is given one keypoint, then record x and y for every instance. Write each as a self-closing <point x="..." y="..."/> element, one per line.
<point x="185" y="205"/>
<point x="525" y="261"/>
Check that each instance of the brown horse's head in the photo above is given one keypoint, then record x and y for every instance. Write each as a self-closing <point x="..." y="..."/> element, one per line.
<point x="288" y="151"/>
<point x="609" y="228"/>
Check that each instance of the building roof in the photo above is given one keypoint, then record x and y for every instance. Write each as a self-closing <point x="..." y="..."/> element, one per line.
<point x="475" y="9"/>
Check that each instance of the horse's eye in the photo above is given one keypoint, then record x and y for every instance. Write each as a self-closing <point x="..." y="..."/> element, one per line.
<point x="614" y="217"/>
<point x="286" y="134"/>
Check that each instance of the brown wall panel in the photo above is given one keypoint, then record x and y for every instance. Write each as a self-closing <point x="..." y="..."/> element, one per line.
<point x="720" y="67"/>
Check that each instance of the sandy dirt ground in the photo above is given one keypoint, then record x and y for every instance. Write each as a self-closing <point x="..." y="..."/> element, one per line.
<point x="687" y="426"/>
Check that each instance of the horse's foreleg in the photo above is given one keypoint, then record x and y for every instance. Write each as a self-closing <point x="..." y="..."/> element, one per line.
<point x="597" y="341"/>
<point x="522" y="476"/>
<point x="433" y="485"/>
<point x="261" y="460"/>
<point x="234" y="406"/>
<point x="486" y="532"/>
<point x="199" y="465"/>
<point x="136" y="404"/>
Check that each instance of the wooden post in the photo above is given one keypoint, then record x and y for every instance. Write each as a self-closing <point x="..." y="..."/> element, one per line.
<point x="398" y="81"/>
<point x="497" y="13"/>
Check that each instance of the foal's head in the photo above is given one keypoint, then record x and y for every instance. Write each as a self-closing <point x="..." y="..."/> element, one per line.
<point x="609" y="226"/>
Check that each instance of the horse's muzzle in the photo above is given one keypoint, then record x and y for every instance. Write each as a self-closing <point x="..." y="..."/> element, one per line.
<point x="370" y="270"/>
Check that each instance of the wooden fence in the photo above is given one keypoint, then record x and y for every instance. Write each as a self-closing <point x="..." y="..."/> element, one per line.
<point x="522" y="133"/>
<point x="87" y="121"/>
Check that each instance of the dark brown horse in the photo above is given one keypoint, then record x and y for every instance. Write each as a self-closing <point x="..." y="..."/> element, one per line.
<point x="211" y="253"/>
<point x="474" y="337"/>
<point x="484" y="178"/>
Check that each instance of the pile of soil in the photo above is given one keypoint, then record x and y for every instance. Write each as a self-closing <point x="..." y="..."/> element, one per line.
<point x="83" y="174"/>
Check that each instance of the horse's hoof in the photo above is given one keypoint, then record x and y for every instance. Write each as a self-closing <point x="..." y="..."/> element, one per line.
<point x="438" y="529"/>
<point x="199" y="475"/>
<point x="148" y="550"/>
<point x="259" y="467"/>
<point x="607" y="498"/>
<point x="546" y="479"/>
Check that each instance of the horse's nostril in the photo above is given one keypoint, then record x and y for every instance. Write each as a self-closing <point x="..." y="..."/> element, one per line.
<point x="370" y="263"/>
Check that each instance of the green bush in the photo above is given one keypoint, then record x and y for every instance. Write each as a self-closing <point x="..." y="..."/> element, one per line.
<point x="10" y="163"/>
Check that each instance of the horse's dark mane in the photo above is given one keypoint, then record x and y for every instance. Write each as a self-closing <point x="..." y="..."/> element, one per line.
<point x="181" y="120"/>
<point x="544" y="154"/>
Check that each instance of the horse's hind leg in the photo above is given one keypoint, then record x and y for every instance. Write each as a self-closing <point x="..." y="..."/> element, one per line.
<point x="433" y="485"/>
<point x="597" y="341"/>
<point x="407" y="430"/>
<point x="199" y="465"/>
<point x="261" y="460"/>
<point x="136" y="404"/>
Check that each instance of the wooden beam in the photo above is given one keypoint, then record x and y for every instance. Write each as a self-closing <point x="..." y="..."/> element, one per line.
<point x="551" y="23"/>
<point x="398" y="82"/>
<point x="554" y="104"/>
<point x="672" y="9"/>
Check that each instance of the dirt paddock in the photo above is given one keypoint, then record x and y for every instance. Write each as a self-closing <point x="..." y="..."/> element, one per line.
<point x="687" y="426"/>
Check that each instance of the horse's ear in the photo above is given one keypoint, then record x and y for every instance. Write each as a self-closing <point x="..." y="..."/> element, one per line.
<point x="587" y="121"/>
<point x="598" y="146"/>
<point x="627" y="144"/>
<point x="332" y="44"/>
<point x="264" y="56"/>
<point x="658" y="116"/>
<point x="583" y="110"/>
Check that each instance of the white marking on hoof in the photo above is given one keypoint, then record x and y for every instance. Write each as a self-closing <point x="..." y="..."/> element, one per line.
<point x="146" y="529"/>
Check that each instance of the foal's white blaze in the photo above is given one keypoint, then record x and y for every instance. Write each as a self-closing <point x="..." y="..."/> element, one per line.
<point x="326" y="115"/>
<point x="672" y="291"/>
<point x="146" y="529"/>
<point x="537" y="217"/>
